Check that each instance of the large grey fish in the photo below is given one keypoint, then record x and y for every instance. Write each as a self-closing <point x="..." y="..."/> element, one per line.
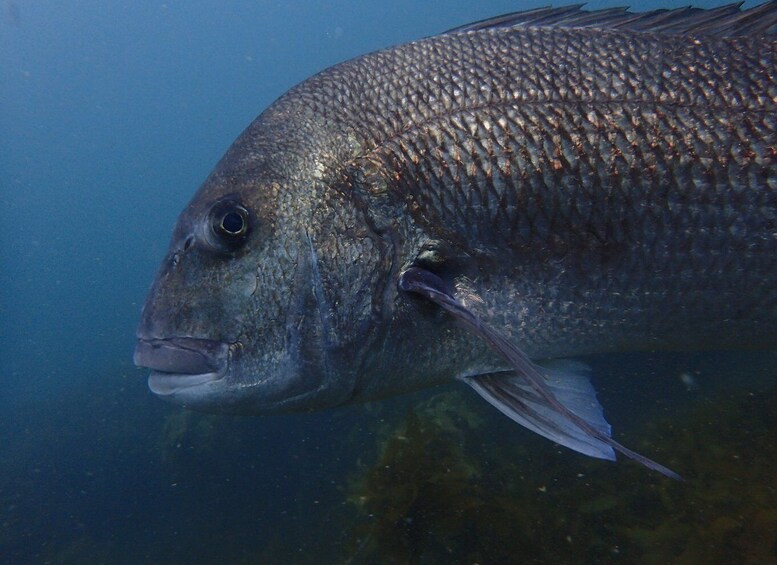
<point x="477" y="206"/>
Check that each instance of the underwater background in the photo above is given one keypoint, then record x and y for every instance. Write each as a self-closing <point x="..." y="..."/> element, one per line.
<point x="111" y="115"/>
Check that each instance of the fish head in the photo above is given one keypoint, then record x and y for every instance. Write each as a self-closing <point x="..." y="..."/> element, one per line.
<point x="265" y="299"/>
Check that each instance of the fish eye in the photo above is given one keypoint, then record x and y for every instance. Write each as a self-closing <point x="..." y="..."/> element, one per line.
<point x="230" y="223"/>
<point x="233" y="223"/>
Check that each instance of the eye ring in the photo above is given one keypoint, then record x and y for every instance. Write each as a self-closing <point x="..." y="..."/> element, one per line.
<point x="230" y="223"/>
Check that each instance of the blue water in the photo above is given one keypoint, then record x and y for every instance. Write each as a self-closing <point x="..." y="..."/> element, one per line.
<point x="111" y="115"/>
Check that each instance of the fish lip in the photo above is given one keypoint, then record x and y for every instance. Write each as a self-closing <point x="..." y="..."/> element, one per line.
<point x="178" y="363"/>
<point x="168" y="384"/>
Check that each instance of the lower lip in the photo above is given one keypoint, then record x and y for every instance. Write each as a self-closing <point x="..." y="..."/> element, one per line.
<point x="165" y="384"/>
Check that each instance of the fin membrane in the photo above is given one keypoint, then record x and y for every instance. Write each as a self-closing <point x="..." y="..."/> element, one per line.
<point x="530" y="396"/>
<point x="513" y="396"/>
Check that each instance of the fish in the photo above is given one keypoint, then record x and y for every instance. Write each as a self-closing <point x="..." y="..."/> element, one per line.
<point x="487" y="205"/>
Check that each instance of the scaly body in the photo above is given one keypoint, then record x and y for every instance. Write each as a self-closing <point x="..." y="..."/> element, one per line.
<point x="557" y="182"/>
<point x="611" y="191"/>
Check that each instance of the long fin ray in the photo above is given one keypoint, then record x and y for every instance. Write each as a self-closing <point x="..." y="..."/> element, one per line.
<point x="431" y="287"/>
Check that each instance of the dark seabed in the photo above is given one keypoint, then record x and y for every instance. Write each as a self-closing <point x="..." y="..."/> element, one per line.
<point x="112" y="113"/>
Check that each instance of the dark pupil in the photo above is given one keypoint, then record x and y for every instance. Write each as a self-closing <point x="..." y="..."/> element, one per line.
<point x="232" y="222"/>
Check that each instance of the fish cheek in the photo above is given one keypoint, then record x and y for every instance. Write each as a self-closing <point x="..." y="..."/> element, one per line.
<point x="354" y="266"/>
<point x="219" y="291"/>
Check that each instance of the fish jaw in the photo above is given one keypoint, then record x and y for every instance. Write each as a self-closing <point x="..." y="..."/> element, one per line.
<point x="182" y="367"/>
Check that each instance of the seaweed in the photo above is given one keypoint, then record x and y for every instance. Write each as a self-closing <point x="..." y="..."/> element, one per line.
<point x="186" y="436"/>
<point x="444" y="488"/>
<point x="424" y="499"/>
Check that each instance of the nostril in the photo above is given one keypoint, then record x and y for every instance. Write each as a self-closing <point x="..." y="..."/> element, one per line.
<point x="188" y="243"/>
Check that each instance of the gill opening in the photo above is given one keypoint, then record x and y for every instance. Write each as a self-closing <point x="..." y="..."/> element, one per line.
<point x="322" y="308"/>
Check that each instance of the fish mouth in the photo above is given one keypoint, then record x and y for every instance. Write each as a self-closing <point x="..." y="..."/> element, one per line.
<point x="179" y="363"/>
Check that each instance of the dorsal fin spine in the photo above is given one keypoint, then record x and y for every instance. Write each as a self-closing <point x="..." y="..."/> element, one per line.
<point x="725" y="21"/>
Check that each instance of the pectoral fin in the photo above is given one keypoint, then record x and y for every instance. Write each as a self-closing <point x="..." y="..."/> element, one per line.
<point x="516" y="399"/>
<point x="554" y="403"/>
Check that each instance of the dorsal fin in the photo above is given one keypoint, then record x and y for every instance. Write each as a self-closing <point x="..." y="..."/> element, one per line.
<point x="725" y="21"/>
